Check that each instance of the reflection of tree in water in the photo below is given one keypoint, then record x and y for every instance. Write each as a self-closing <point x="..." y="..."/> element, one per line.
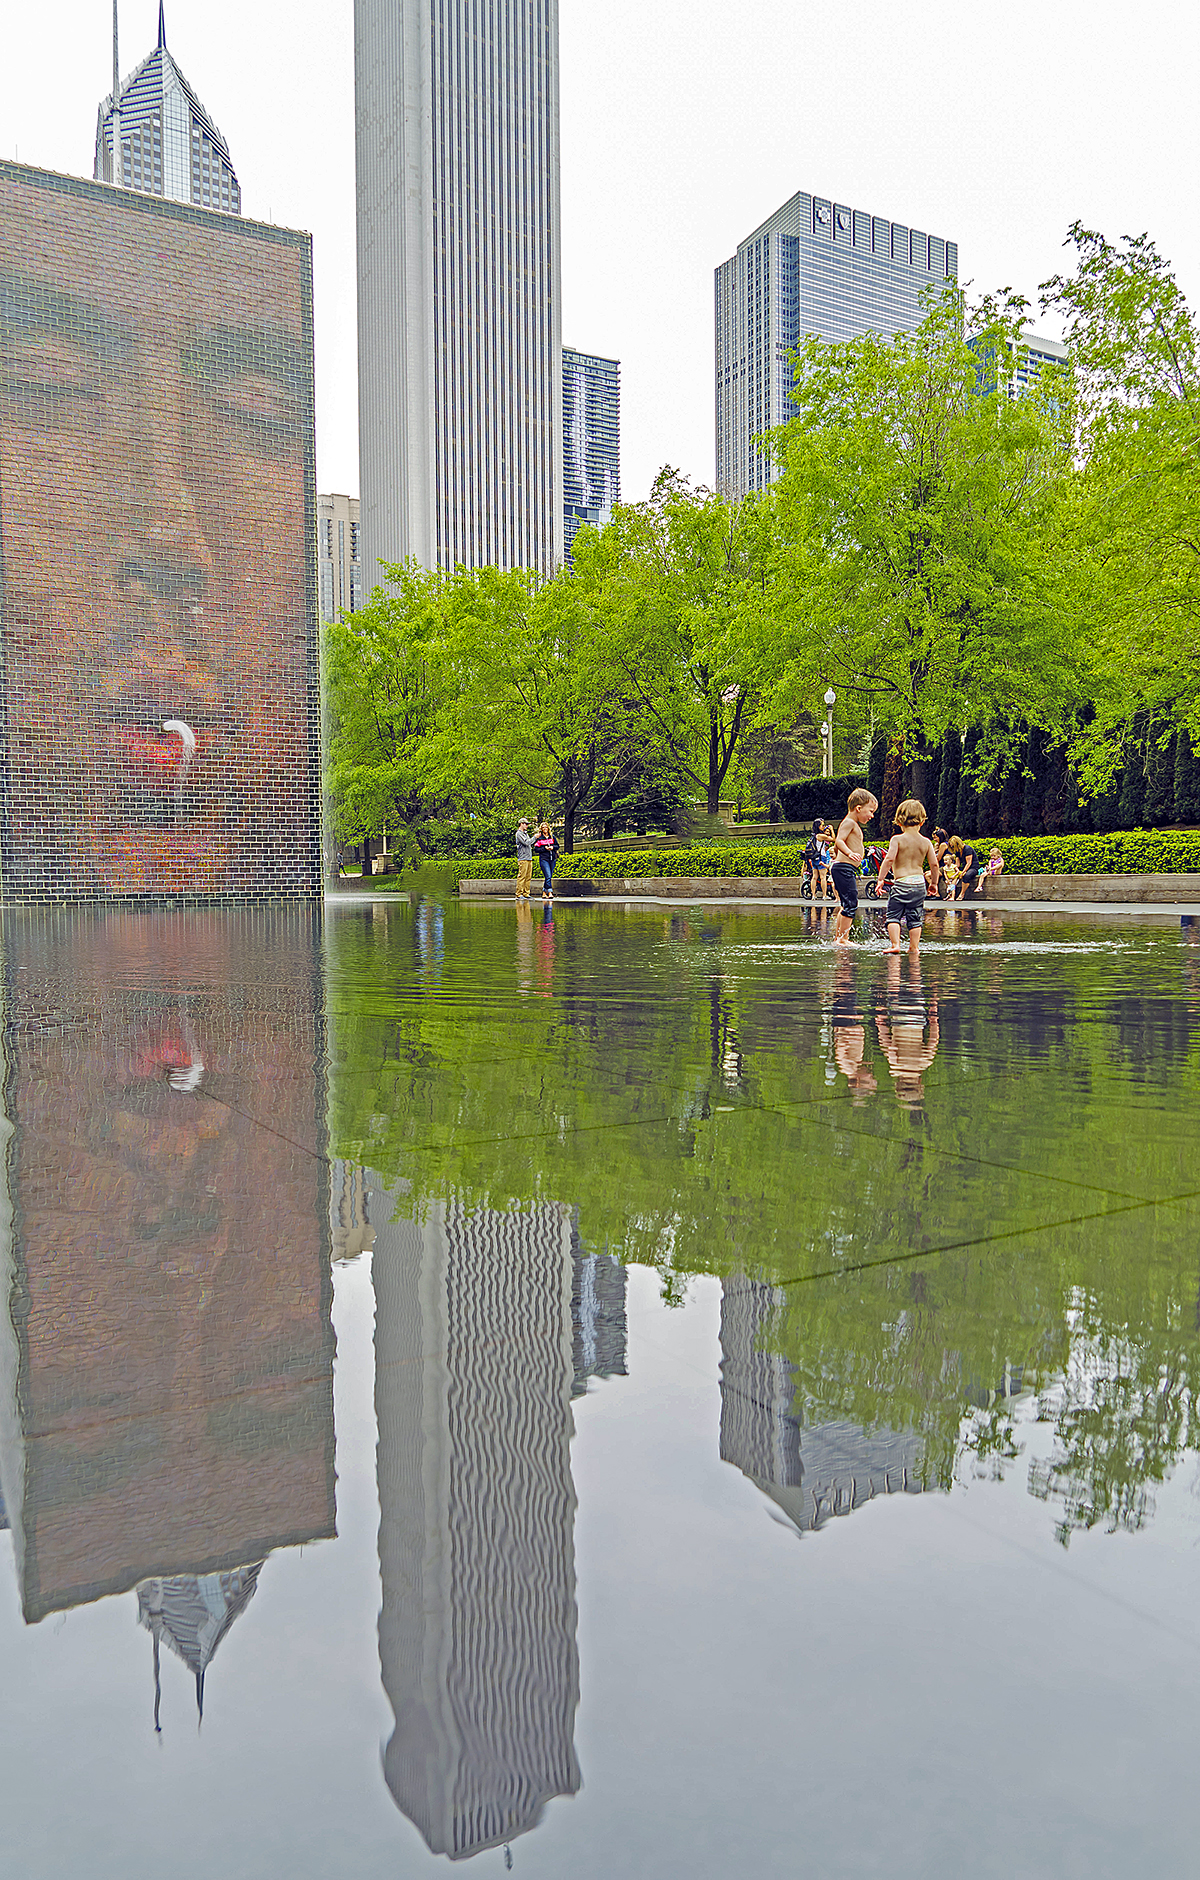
<point x="688" y="1116"/>
<point x="1124" y="1411"/>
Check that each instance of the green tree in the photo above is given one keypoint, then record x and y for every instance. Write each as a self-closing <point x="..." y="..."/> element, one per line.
<point x="681" y="586"/>
<point x="383" y="694"/>
<point x="1135" y="352"/>
<point x="533" y="705"/>
<point x="923" y="566"/>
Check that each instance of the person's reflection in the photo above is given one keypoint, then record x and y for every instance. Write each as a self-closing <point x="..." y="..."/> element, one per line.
<point x="545" y="951"/>
<point x="523" y="915"/>
<point x="901" y="1023"/>
<point x="167" y="1408"/>
<point x="486" y="1324"/>
<point x="849" y="1032"/>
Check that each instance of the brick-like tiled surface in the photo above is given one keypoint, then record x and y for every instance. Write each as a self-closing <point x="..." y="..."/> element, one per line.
<point x="171" y="1364"/>
<point x="157" y="505"/>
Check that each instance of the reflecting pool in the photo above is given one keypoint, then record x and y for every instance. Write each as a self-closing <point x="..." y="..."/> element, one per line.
<point x="598" y="1390"/>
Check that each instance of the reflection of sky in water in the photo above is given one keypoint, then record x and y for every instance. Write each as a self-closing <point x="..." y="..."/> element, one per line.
<point x="885" y="1478"/>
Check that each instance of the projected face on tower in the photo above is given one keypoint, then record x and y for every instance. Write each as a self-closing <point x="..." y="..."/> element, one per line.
<point x="155" y="448"/>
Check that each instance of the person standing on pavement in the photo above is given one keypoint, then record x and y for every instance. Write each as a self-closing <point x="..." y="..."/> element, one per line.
<point x="547" y="853"/>
<point x="524" y="859"/>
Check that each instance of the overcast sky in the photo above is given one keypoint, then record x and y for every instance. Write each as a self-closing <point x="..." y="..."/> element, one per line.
<point x="683" y="125"/>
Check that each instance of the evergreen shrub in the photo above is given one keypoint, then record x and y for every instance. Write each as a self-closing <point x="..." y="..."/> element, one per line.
<point x="1140" y="852"/>
<point x="805" y="798"/>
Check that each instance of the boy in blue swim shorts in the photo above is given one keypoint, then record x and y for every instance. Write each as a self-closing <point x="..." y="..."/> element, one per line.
<point x="909" y="855"/>
<point x="848" y="859"/>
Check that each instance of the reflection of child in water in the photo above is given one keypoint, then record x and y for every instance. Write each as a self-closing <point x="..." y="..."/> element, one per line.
<point x="901" y="1029"/>
<point x="850" y="1034"/>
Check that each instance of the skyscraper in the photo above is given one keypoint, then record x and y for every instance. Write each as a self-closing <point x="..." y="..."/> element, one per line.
<point x="815" y="266"/>
<point x="339" y="570"/>
<point x="169" y="144"/>
<point x="591" y="440"/>
<point x="459" y="323"/>
<point x="487" y="1323"/>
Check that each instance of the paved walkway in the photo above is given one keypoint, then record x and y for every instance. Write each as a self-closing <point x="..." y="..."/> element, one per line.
<point x="1122" y="910"/>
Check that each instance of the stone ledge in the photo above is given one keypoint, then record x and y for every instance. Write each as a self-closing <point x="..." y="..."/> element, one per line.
<point x="1087" y="888"/>
<point x="1091" y="888"/>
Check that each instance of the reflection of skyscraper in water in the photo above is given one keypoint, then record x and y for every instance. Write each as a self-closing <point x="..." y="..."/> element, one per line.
<point x="813" y="1471"/>
<point x="478" y="1354"/>
<point x="166" y="1352"/>
<point x="597" y="1315"/>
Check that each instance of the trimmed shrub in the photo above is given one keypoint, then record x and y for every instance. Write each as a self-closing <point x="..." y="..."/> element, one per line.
<point x="1138" y="852"/>
<point x="1012" y="792"/>
<point x="1033" y="793"/>
<point x="1187" y="779"/>
<point x="726" y="858"/>
<point x="876" y="764"/>
<point x="1131" y="804"/>
<point x="805" y="798"/>
<point x="1132" y="852"/>
<point x="966" y="808"/>
<point x="947" y="796"/>
<point x="893" y="788"/>
<point x="1160" y="781"/>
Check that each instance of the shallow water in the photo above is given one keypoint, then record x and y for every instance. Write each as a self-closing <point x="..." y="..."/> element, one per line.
<point x="747" y="1424"/>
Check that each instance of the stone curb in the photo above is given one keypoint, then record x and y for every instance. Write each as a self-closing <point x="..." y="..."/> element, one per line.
<point x="1161" y="889"/>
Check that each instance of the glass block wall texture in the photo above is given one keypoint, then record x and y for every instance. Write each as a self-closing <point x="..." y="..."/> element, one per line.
<point x="166" y="1373"/>
<point x="160" y="708"/>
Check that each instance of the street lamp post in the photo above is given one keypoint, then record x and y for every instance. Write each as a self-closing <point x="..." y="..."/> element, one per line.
<point x="830" y="701"/>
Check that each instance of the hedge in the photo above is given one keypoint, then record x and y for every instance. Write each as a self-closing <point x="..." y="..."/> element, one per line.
<point x="805" y="798"/>
<point x="1136" y="852"/>
<point x="1141" y="852"/>
<point x="725" y="858"/>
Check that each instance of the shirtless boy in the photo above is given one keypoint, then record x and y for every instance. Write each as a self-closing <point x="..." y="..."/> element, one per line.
<point x="848" y="858"/>
<point x="909" y="855"/>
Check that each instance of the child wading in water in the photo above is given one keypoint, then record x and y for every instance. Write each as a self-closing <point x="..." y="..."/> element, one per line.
<point x="909" y="855"/>
<point x="848" y="858"/>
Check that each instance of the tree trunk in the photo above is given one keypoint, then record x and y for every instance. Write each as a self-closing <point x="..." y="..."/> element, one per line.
<point x="569" y="829"/>
<point x="714" y="766"/>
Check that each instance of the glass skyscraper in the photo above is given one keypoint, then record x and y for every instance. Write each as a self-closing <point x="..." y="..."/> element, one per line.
<point x="591" y="394"/>
<point x="459" y="326"/>
<point x="815" y="266"/>
<point x="169" y="144"/>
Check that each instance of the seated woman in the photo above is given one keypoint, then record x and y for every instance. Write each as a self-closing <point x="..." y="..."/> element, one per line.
<point x="966" y="864"/>
<point x="941" y="843"/>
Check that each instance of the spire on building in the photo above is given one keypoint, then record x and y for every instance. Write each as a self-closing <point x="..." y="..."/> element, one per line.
<point x="170" y="145"/>
<point x="194" y="1612"/>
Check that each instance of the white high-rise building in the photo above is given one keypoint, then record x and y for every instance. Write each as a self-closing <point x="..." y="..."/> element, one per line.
<point x="459" y="321"/>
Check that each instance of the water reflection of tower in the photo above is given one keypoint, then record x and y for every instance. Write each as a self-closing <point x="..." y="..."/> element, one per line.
<point x="813" y="1471"/>
<point x="487" y="1323"/>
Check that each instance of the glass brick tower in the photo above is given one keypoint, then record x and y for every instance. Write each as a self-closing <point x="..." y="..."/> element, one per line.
<point x="459" y="324"/>
<point x="591" y="440"/>
<point x="815" y="266"/>
<point x="169" y="144"/>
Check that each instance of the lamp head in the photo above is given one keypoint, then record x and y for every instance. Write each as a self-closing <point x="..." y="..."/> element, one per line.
<point x="830" y="696"/>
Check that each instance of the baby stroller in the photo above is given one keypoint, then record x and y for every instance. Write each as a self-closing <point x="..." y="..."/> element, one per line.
<point x="871" y="865"/>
